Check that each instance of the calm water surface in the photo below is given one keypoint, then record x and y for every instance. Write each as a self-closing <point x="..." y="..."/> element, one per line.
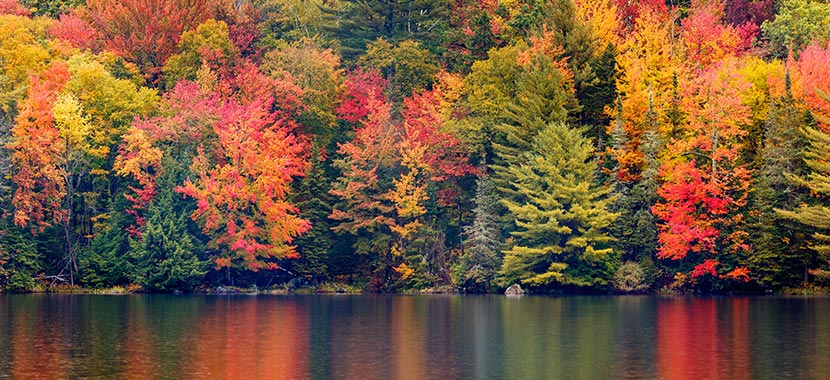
<point x="412" y="337"/>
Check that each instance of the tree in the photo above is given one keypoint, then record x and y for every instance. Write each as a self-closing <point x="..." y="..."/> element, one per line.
<point x="797" y="24"/>
<point x="780" y="244"/>
<point x="146" y="33"/>
<point x="363" y="208"/>
<point x="166" y="256"/>
<point x="408" y="67"/>
<point x="209" y="44"/>
<point x="481" y="259"/>
<point x="544" y="94"/>
<point x="815" y="215"/>
<point x="707" y="40"/>
<point x="48" y="152"/>
<point x="241" y="187"/>
<point x="23" y="52"/>
<point x="815" y="78"/>
<point x="704" y="186"/>
<point x="77" y="32"/>
<point x="561" y="236"/>
<point x="315" y="204"/>
<point x="316" y="70"/>
<point x="360" y="22"/>
<point x="51" y="8"/>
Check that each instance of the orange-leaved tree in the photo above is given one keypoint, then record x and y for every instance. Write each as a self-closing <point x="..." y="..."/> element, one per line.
<point x="705" y="186"/>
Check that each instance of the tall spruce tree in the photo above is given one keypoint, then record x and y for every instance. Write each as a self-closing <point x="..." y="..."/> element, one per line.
<point x="314" y="201"/>
<point x="168" y="255"/>
<point x="780" y="255"/>
<point x="561" y="236"/>
<point x="358" y="22"/>
<point x="482" y="256"/>
<point x="544" y="95"/>
<point x="815" y="214"/>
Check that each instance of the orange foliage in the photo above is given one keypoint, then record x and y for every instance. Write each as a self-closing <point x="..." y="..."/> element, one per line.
<point x="37" y="151"/>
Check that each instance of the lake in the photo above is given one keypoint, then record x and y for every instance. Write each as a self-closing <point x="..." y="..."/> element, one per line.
<point x="412" y="337"/>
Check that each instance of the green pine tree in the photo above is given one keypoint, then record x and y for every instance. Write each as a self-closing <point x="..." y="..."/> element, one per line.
<point x="816" y="214"/>
<point x="543" y="96"/>
<point x="780" y="256"/>
<point x="358" y="22"/>
<point x="482" y="257"/>
<point x="561" y="235"/>
<point x="166" y="256"/>
<point x="313" y="199"/>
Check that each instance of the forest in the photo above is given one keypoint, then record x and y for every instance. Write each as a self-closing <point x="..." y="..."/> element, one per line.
<point x="570" y="146"/>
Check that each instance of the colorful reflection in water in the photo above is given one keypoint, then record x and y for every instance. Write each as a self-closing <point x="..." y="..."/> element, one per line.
<point x="410" y="337"/>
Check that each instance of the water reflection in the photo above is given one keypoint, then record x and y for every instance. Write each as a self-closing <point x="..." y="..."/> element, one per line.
<point x="385" y="337"/>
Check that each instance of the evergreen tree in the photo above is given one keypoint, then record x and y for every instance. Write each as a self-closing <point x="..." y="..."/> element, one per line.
<point x="561" y="235"/>
<point x="481" y="258"/>
<point x="635" y="231"/>
<point x="104" y="262"/>
<point x="780" y="255"/>
<point x="165" y="257"/>
<point x="359" y="22"/>
<point x="594" y="96"/>
<point x="544" y="94"/>
<point x="168" y="254"/>
<point x="20" y="261"/>
<point x="314" y="201"/>
<point x="817" y="214"/>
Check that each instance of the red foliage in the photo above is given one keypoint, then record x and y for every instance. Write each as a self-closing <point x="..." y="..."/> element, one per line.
<point x="362" y="87"/>
<point x="423" y="121"/>
<point x="242" y="186"/>
<point x="366" y="204"/>
<point x="12" y="7"/>
<point x="707" y="40"/>
<point x="738" y="274"/>
<point x="629" y="10"/>
<point x="755" y="12"/>
<point x="146" y="32"/>
<point x="77" y="32"/>
<point x="36" y="152"/>
<point x="815" y="75"/>
<point x="689" y="207"/>
<point x="707" y="267"/>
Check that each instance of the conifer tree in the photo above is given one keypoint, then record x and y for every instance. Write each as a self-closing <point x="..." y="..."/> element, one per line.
<point x="780" y="257"/>
<point x="561" y="235"/>
<point x="816" y="214"/>
<point x="482" y="256"/>
<point x="166" y="256"/>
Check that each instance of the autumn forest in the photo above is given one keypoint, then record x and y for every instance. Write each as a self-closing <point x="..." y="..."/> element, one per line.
<point x="570" y="146"/>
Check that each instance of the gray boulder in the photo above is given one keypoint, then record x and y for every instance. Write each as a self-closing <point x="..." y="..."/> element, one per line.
<point x="514" y="290"/>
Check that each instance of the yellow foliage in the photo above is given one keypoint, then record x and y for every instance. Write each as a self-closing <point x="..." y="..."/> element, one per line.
<point x="647" y="64"/>
<point x="601" y="16"/>
<point x="405" y="271"/>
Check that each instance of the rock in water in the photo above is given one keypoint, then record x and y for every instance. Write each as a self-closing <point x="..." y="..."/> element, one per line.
<point x="514" y="290"/>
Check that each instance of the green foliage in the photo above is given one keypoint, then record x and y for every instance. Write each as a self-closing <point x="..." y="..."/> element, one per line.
<point x="594" y="96"/>
<point x="781" y="254"/>
<point x="104" y="262"/>
<point x="315" y="204"/>
<point x="51" y="8"/>
<point x="408" y="67"/>
<point x="209" y="45"/>
<point x="561" y="236"/>
<point x="481" y="259"/>
<point x="166" y="256"/>
<point x="797" y="24"/>
<point x="543" y="94"/>
<point x="815" y="214"/>
<point x="358" y="23"/>
<point x="20" y="261"/>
